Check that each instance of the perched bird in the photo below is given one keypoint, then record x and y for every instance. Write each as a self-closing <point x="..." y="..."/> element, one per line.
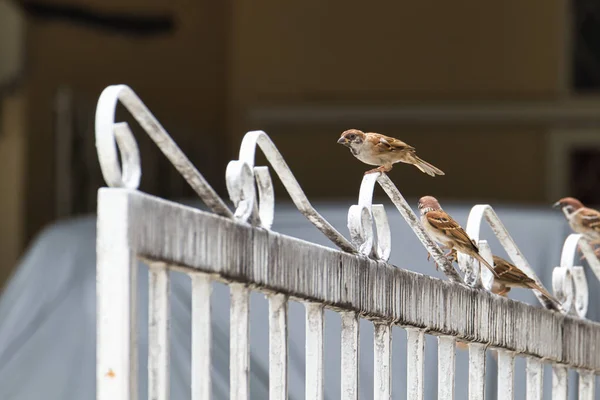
<point x="581" y="219"/>
<point x="447" y="232"/>
<point x="509" y="276"/>
<point x="384" y="151"/>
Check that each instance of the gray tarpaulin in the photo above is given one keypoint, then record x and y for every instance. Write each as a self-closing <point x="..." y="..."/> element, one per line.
<point x="47" y="314"/>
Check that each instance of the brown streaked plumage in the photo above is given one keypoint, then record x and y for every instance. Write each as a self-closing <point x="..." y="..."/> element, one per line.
<point x="582" y="219"/>
<point x="446" y="231"/>
<point x="384" y="151"/>
<point x="510" y="276"/>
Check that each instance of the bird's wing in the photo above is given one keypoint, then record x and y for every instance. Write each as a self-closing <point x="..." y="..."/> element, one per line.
<point x="444" y="222"/>
<point x="590" y="219"/>
<point x="509" y="273"/>
<point x="387" y="143"/>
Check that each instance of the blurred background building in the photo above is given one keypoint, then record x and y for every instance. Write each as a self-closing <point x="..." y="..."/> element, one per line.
<point x="501" y="96"/>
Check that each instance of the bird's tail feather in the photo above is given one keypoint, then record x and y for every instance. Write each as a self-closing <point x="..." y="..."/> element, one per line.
<point x="484" y="262"/>
<point x="427" y="168"/>
<point x="551" y="301"/>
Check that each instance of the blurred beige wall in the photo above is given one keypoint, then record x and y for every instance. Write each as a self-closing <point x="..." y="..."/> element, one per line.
<point x="225" y="60"/>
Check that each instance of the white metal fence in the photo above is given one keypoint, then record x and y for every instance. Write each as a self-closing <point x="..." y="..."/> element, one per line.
<point x="238" y="248"/>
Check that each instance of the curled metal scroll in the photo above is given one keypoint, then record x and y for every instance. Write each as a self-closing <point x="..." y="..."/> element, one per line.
<point x="241" y="175"/>
<point x="569" y="281"/>
<point x="477" y="214"/>
<point x="111" y="134"/>
<point x="360" y="223"/>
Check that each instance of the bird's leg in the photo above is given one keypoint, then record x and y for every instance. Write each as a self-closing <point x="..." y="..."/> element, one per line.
<point x="381" y="169"/>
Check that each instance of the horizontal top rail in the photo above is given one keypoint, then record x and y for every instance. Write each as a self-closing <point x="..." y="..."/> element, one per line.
<point x="185" y="237"/>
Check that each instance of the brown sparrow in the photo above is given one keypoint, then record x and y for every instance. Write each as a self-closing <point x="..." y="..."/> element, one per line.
<point x="509" y="276"/>
<point x="583" y="220"/>
<point x="447" y="232"/>
<point x="384" y="151"/>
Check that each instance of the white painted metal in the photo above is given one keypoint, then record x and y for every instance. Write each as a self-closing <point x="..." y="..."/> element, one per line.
<point x="506" y="371"/>
<point x="169" y="235"/>
<point x="107" y="131"/>
<point x="278" y="349"/>
<point x="587" y="385"/>
<point x="349" y="375"/>
<point x="415" y="364"/>
<point x="314" y="351"/>
<point x="240" y="185"/>
<point x="239" y="343"/>
<point x="360" y="222"/>
<point x="158" y="332"/>
<point x="476" y="371"/>
<point x="382" y="362"/>
<point x="201" y="336"/>
<point x="446" y="367"/>
<point x="477" y="214"/>
<point x="569" y="281"/>
<point x="560" y="382"/>
<point x="116" y="280"/>
<point x="535" y="378"/>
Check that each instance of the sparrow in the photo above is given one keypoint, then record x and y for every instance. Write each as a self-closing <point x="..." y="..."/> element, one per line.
<point x="384" y="151"/>
<point x="447" y="232"/>
<point x="583" y="220"/>
<point x="509" y="276"/>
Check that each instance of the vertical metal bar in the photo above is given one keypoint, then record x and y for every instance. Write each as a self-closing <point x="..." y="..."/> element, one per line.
<point x="278" y="347"/>
<point x="349" y="355"/>
<point x="476" y="371"/>
<point x="158" y="332"/>
<point x="535" y="378"/>
<point x="415" y="363"/>
<point x="506" y="370"/>
<point x="446" y="367"/>
<point x="587" y="381"/>
<point x="201" y="336"/>
<point x="314" y="352"/>
<point x="116" y="285"/>
<point x="382" y="365"/>
<point x="239" y="357"/>
<point x="560" y="382"/>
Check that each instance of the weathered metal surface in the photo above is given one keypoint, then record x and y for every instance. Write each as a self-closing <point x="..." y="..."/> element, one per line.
<point x="446" y="367"/>
<point x="201" y="336"/>
<point x="239" y="342"/>
<point x="506" y="372"/>
<point x="476" y="371"/>
<point x="239" y="249"/>
<point x="158" y="229"/>
<point x="415" y="364"/>
<point x="158" y="332"/>
<point x="109" y="134"/>
<point x="382" y="362"/>
<point x="314" y="383"/>
<point x="116" y="286"/>
<point x="560" y="382"/>
<point x="476" y="216"/>
<point x="278" y="349"/>
<point x="349" y="372"/>
<point x="587" y="385"/>
<point x="535" y="378"/>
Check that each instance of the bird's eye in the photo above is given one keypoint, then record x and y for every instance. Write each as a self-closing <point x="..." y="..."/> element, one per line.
<point x="351" y="137"/>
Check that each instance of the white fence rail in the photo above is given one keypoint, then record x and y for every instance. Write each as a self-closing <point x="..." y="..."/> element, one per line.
<point x="239" y="249"/>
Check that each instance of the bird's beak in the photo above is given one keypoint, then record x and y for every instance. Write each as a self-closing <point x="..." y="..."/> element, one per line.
<point x="342" y="140"/>
<point x="556" y="205"/>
